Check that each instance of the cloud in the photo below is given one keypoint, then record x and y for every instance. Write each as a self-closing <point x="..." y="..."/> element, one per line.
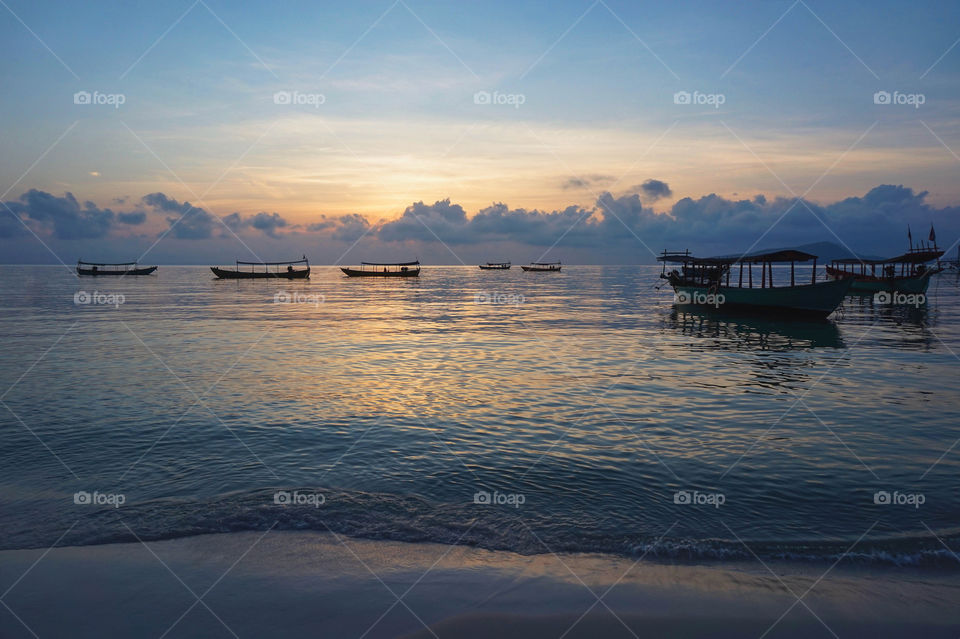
<point x="190" y="223"/>
<point x="448" y="223"/>
<point x="613" y="228"/>
<point x="194" y="223"/>
<point x="440" y="220"/>
<point x="653" y="190"/>
<point x="710" y="223"/>
<point x="586" y="181"/>
<point x="268" y="223"/>
<point x="63" y="217"/>
<point x="164" y="203"/>
<point x="9" y="226"/>
<point x="133" y="218"/>
<point x="345" y="228"/>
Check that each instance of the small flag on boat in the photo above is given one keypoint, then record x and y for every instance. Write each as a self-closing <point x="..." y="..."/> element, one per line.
<point x="909" y="236"/>
<point x="933" y="235"/>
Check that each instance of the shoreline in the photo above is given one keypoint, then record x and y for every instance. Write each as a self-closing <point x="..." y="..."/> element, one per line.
<point x="304" y="583"/>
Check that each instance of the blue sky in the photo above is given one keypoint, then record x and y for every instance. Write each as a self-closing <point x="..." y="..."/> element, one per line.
<point x="390" y="118"/>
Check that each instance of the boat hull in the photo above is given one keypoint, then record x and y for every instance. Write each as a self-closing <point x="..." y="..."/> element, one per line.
<point x="146" y="270"/>
<point x="355" y="272"/>
<point x="805" y="301"/>
<point x="227" y="274"/>
<point x="534" y="269"/>
<point x="867" y="284"/>
<point x="494" y="268"/>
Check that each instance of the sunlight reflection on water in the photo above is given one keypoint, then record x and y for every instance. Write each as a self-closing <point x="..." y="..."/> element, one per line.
<point x="586" y="390"/>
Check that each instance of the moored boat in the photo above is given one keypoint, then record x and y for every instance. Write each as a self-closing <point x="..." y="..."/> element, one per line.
<point x="907" y="273"/>
<point x="292" y="270"/>
<point x="384" y="269"/>
<point x="120" y="268"/>
<point x="706" y="283"/>
<point x="542" y="267"/>
<point x="496" y="266"/>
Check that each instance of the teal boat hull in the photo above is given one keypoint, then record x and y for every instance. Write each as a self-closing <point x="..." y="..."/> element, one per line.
<point x="805" y="301"/>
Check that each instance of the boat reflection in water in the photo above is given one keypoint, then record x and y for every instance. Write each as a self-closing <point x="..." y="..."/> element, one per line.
<point x="901" y="326"/>
<point x="737" y="332"/>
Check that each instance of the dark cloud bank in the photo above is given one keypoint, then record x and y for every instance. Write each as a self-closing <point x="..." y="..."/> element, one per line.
<point x="615" y="225"/>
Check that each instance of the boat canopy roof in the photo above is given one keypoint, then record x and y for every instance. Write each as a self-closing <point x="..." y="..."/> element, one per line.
<point x="302" y="260"/>
<point x="915" y="256"/>
<point x="545" y="263"/>
<point x="414" y="263"/>
<point x="497" y="263"/>
<point x="107" y="263"/>
<point x="788" y="255"/>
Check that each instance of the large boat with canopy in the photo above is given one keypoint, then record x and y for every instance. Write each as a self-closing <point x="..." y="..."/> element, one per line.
<point x="907" y="273"/>
<point x="119" y="268"/>
<point x="706" y="282"/>
<point x="292" y="270"/>
<point x="384" y="269"/>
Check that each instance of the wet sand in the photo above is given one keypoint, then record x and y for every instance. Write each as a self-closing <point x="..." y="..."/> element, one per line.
<point x="289" y="584"/>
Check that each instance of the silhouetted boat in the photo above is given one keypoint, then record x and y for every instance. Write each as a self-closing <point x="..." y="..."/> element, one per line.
<point x="388" y="269"/>
<point x="907" y="273"/>
<point x="496" y="266"/>
<point x="542" y="267"/>
<point x="262" y="270"/>
<point x="705" y="283"/>
<point x="121" y="268"/>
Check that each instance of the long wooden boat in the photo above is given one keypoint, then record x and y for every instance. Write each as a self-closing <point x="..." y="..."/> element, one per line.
<point x="292" y="270"/>
<point x="384" y="269"/>
<point x="706" y="283"/>
<point x="120" y="268"/>
<point x="907" y="273"/>
<point x="496" y="266"/>
<point x="542" y="267"/>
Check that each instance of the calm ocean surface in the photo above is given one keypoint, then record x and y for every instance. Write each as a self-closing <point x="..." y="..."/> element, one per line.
<point x="582" y="400"/>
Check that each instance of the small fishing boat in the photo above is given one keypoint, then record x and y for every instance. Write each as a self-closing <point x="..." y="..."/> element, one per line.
<point x="496" y="266"/>
<point x="387" y="269"/>
<point x="121" y="268"/>
<point x="705" y="283"/>
<point x="292" y="270"/>
<point x="542" y="267"/>
<point x="907" y="273"/>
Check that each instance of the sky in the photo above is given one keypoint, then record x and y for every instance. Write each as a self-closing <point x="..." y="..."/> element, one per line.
<point x="455" y="132"/>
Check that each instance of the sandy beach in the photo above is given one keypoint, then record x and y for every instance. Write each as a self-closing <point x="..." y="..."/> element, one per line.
<point x="288" y="584"/>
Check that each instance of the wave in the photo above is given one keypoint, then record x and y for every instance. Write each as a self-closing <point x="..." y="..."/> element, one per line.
<point x="386" y="517"/>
